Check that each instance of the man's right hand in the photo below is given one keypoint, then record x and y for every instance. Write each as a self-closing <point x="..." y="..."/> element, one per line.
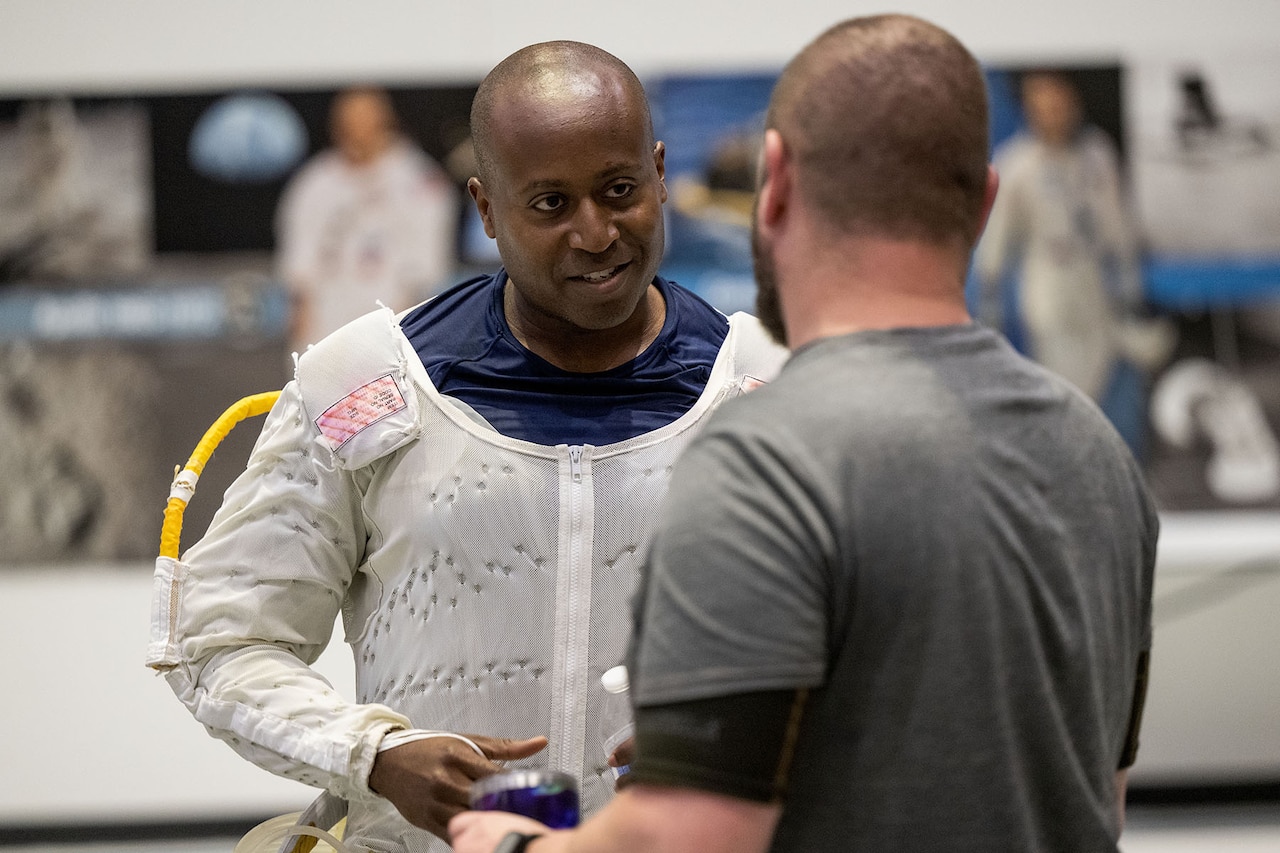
<point x="429" y="781"/>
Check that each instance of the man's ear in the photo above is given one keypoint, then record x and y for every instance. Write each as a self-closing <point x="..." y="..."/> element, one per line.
<point x="988" y="198"/>
<point x="660" y="162"/>
<point x="777" y="181"/>
<point x="483" y="207"/>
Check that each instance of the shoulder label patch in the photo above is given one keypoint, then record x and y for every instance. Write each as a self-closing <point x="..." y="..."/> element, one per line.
<point x="360" y="409"/>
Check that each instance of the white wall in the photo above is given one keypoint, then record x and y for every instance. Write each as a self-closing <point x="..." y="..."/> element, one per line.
<point x="132" y="44"/>
<point x="88" y="734"/>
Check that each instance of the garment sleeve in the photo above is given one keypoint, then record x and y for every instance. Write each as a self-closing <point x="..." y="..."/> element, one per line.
<point x="735" y="597"/>
<point x="239" y="619"/>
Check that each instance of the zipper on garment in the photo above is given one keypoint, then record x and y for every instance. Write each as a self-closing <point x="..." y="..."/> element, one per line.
<point x="575" y="463"/>
<point x="573" y="598"/>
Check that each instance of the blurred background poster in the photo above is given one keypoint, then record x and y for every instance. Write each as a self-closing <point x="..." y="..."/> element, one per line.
<point x="1206" y="176"/>
<point x="1190" y="374"/>
<point x="711" y="124"/>
<point x="75" y="216"/>
<point x="1194" y="383"/>
<point x="139" y="296"/>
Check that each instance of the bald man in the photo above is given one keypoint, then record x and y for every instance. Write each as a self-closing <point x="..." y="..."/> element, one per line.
<point x="900" y="598"/>
<point x="470" y="483"/>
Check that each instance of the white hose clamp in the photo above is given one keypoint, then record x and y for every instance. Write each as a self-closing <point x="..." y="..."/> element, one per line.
<point x="184" y="485"/>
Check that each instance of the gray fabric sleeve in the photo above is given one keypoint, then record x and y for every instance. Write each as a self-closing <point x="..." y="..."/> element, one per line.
<point x="736" y="592"/>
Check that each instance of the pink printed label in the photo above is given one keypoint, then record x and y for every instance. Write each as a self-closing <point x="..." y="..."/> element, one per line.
<point x="360" y="409"/>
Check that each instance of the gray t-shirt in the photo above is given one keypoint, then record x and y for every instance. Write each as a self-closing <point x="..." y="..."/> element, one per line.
<point x="954" y="550"/>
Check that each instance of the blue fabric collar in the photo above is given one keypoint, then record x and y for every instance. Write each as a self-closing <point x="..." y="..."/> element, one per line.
<point x="470" y="354"/>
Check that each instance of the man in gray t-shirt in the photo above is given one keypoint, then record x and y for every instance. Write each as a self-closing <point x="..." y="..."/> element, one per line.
<point x="943" y="571"/>
<point x="900" y="598"/>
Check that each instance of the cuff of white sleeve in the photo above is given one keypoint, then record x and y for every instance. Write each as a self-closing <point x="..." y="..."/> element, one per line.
<point x="399" y="737"/>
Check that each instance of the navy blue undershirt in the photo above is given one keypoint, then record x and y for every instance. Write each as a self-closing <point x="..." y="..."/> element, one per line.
<point x="471" y="355"/>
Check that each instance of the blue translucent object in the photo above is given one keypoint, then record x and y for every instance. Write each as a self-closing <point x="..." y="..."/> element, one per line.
<point x="547" y="796"/>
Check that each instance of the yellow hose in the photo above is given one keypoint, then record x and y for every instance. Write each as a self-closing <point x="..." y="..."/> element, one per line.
<point x="184" y="481"/>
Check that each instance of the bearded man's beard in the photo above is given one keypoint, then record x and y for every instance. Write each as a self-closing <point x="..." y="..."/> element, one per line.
<point x="768" y="307"/>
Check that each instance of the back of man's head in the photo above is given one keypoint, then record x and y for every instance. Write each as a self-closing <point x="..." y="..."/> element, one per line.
<point x="886" y="119"/>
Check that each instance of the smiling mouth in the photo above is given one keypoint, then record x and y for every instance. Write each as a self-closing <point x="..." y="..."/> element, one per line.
<point x="601" y="276"/>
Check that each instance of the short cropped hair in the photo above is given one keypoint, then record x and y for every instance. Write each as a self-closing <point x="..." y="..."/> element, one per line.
<point x="887" y="119"/>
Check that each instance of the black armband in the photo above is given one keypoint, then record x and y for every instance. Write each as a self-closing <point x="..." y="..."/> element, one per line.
<point x="1129" y="753"/>
<point x="738" y="745"/>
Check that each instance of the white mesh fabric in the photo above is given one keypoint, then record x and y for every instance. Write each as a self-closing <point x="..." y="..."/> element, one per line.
<point x="485" y="628"/>
<point x="490" y="587"/>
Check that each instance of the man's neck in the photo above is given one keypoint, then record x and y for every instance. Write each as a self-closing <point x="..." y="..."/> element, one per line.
<point x="874" y="283"/>
<point x="580" y="350"/>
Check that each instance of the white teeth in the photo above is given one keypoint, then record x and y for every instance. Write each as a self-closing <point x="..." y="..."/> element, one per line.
<point x="597" y="277"/>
